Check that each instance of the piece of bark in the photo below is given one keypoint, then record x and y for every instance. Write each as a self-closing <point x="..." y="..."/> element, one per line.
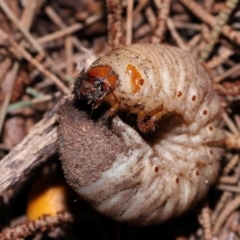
<point x="33" y="150"/>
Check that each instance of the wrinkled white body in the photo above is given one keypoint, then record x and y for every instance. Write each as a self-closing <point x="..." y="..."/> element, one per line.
<point x="166" y="70"/>
<point x="186" y="155"/>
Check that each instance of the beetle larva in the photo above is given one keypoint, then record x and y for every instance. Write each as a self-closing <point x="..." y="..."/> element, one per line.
<point x="146" y="180"/>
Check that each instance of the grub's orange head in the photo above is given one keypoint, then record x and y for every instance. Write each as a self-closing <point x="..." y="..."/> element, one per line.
<point x="95" y="83"/>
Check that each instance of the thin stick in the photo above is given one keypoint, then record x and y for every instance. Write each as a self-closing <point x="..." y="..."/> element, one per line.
<point x="163" y="13"/>
<point x="4" y="66"/>
<point x="209" y="4"/>
<point x="24" y="31"/>
<point x="229" y="179"/>
<point x="229" y="188"/>
<point x="69" y="55"/>
<point x="175" y="35"/>
<point x="206" y="223"/>
<point x="34" y="62"/>
<point x="44" y="223"/>
<point x="230" y="124"/>
<point x="231" y="164"/>
<point x="29" y="13"/>
<point x="228" y="73"/>
<point x="232" y="205"/>
<point x="26" y="22"/>
<point x="217" y="29"/>
<point x="187" y="25"/>
<point x="218" y="60"/>
<point x="129" y="22"/>
<point x="221" y="204"/>
<point x="192" y="43"/>
<point x="61" y="33"/>
<point x="115" y="30"/>
<point x="206" y="17"/>
<point x="27" y="103"/>
<point x="150" y="17"/>
<point x="58" y="21"/>
<point x="232" y="141"/>
<point x="11" y="82"/>
<point x="237" y="121"/>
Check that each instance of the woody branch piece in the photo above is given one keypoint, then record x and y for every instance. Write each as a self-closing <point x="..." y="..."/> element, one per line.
<point x="115" y="32"/>
<point x="35" y="148"/>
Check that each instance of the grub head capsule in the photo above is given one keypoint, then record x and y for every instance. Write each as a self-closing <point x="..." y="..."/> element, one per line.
<point x="94" y="84"/>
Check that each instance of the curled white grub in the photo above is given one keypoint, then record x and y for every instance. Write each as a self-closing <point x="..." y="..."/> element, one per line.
<point x="151" y="177"/>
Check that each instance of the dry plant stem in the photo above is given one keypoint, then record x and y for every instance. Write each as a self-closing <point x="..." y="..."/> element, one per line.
<point x="216" y="31"/>
<point x="228" y="73"/>
<point x="232" y="205"/>
<point x="16" y="21"/>
<point x="231" y="164"/>
<point x="141" y="5"/>
<point x="69" y="55"/>
<point x="58" y="21"/>
<point x="30" y="12"/>
<point x="229" y="188"/>
<point x="192" y="43"/>
<point x="205" y="34"/>
<point x="24" y="31"/>
<point x="163" y="13"/>
<point x="232" y="141"/>
<point x="220" y="205"/>
<point x="11" y="81"/>
<point x="151" y="18"/>
<point x="36" y="63"/>
<point x="226" y="232"/>
<point x="129" y="22"/>
<point x="61" y="33"/>
<point x="196" y="9"/>
<point x="77" y="57"/>
<point x="209" y="4"/>
<point x="4" y="66"/>
<point x="27" y="19"/>
<point x="36" y="147"/>
<point x="230" y="124"/>
<point x="142" y="31"/>
<point x="229" y="179"/>
<point x="237" y="121"/>
<point x="27" y="103"/>
<point x="175" y="35"/>
<point x="218" y="60"/>
<point x="186" y="25"/>
<point x="206" y="223"/>
<point x="234" y="224"/>
<point x="115" y="30"/>
<point x="44" y="223"/>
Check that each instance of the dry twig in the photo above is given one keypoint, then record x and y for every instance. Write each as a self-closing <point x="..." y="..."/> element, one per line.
<point x="36" y="63"/>
<point x="220" y="22"/>
<point x="36" y="148"/>
<point x="115" y="30"/>
<point x="163" y="13"/>
<point x="232" y="205"/>
<point x="45" y="223"/>
<point x="195" y="8"/>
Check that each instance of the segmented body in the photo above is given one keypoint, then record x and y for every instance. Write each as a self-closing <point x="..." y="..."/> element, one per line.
<point x="164" y="174"/>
